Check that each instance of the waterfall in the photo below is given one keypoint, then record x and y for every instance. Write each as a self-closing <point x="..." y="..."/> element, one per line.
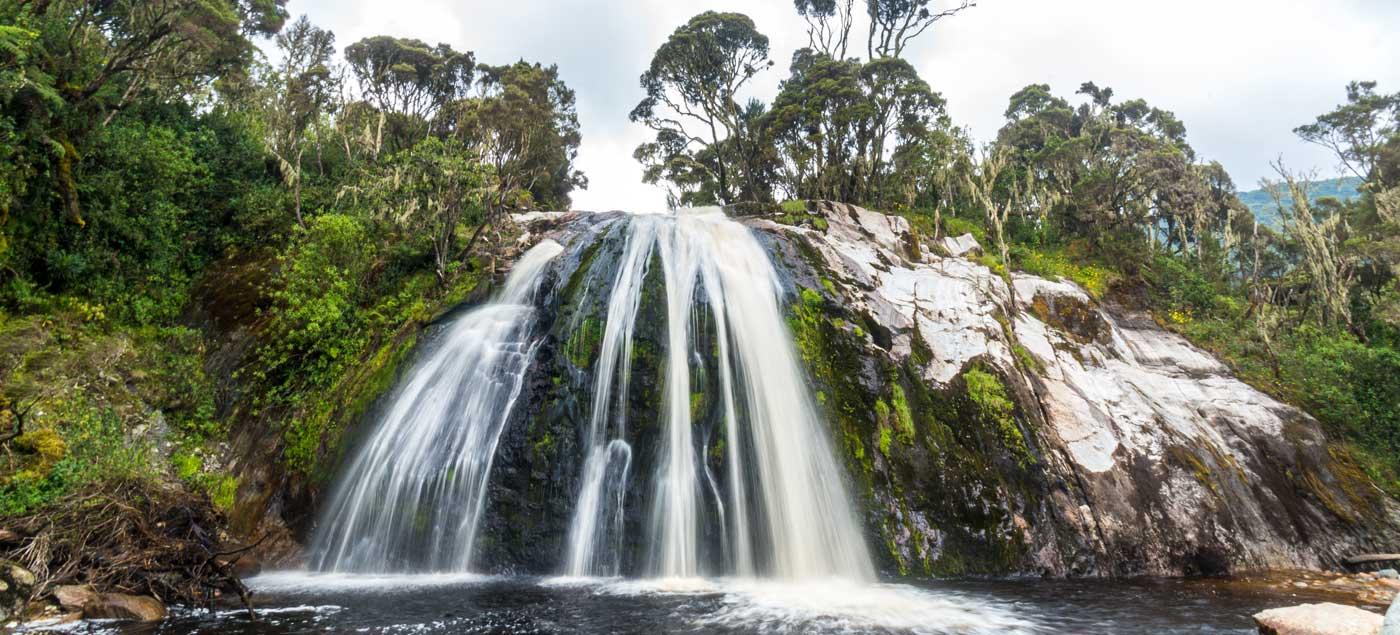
<point x="597" y="520"/>
<point x="412" y="496"/>
<point x="785" y="511"/>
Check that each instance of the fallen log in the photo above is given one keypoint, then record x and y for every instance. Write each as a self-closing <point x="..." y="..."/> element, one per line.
<point x="1371" y="558"/>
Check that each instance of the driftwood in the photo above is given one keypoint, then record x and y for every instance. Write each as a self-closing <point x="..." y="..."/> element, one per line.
<point x="1368" y="559"/>
<point x="134" y="536"/>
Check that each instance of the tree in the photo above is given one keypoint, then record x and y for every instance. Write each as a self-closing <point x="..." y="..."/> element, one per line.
<point x="305" y="87"/>
<point x="409" y="81"/>
<point x="894" y="23"/>
<point x="84" y="61"/>
<point x="900" y="103"/>
<point x="522" y="124"/>
<point x="812" y="125"/>
<point x="828" y="25"/>
<point x="1319" y="234"/>
<point x="983" y="183"/>
<point x="1359" y="132"/>
<point x="429" y="190"/>
<point x="1113" y="166"/>
<point x="1364" y="134"/>
<point x="691" y="100"/>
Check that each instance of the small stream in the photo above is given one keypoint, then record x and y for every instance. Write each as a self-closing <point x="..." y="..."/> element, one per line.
<point x="465" y="603"/>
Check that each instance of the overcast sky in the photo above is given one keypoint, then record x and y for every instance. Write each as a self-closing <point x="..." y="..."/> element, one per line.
<point x="1240" y="73"/>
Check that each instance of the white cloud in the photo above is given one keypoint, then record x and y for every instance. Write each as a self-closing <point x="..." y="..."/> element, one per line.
<point x="1240" y="73"/>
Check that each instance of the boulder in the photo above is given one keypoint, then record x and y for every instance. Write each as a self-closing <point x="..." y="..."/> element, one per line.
<point x="74" y="596"/>
<point x="1318" y="619"/>
<point x="16" y="585"/>
<point x="964" y="245"/>
<point x="1391" y="625"/>
<point x="119" y="606"/>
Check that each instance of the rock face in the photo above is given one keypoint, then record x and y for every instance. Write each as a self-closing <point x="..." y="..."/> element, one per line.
<point x="1318" y="619"/>
<point x="1063" y="437"/>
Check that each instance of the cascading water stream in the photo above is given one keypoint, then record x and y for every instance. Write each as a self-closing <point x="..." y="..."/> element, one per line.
<point x="598" y="516"/>
<point x="412" y="497"/>
<point x="786" y="512"/>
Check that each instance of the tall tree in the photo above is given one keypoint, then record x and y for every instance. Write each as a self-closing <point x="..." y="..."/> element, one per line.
<point x="1319" y="234"/>
<point x="409" y="81"/>
<point x="828" y="25"/>
<point x="523" y="124"/>
<point x="899" y="104"/>
<point x="84" y="61"/>
<point x="894" y="23"/>
<point x="812" y="125"/>
<point x="692" y="102"/>
<point x="1359" y="132"/>
<point x="304" y="87"/>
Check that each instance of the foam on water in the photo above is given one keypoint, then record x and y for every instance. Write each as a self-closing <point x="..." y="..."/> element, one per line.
<point x="842" y="606"/>
<point x="306" y="582"/>
<point x="830" y="605"/>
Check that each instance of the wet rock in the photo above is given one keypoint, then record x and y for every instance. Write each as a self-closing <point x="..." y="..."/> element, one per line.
<point x="120" y="606"/>
<point x="1391" y="625"/>
<point x="73" y="596"/>
<point x="16" y="585"/>
<point x="1318" y="619"/>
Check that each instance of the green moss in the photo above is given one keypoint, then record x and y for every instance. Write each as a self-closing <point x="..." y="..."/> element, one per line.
<point x="1026" y="360"/>
<point x="45" y="444"/>
<point x="833" y="358"/>
<point x="794" y="206"/>
<point x="996" y="409"/>
<point x="584" y="342"/>
<point x="904" y="418"/>
<point x="1187" y="460"/>
<point x="187" y="466"/>
<point x="544" y="445"/>
<point x="222" y="491"/>
<point x="585" y="264"/>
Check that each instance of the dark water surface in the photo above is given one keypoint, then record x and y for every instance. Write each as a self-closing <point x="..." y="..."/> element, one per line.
<point x="298" y="603"/>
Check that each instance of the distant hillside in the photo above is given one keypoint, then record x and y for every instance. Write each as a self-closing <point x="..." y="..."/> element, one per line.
<point x="1266" y="211"/>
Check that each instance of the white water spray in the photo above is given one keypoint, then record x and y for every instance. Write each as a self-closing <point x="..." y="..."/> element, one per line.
<point x="412" y="497"/>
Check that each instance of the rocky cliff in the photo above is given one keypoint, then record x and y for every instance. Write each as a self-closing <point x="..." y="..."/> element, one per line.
<point x="1063" y="436"/>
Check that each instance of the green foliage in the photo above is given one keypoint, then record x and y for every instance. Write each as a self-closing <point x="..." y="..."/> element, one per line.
<point x="1057" y="263"/>
<point x="89" y="446"/>
<point x="956" y="226"/>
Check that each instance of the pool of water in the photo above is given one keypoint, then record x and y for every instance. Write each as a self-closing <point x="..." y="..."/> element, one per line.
<point x="302" y="603"/>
